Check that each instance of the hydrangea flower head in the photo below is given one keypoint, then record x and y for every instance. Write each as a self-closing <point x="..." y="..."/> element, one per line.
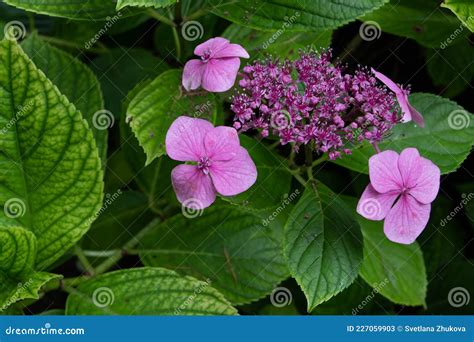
<point x="400" y="192"/>
<point x="409" y="112"/>
<point x="217" y="68"/>
<point x="220" y="164"/>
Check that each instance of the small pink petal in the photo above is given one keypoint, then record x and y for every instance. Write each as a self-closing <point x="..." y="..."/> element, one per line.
<point x="231" y="50"/>
<point x="211" y="46"/>
<point x="234" y="176"/>
<point x="405" y="107"/>
<point x="406" y="220"/>
<point x="192" y="74"/>
<point x="388" y="82"/>
<point x="193" y="188"/>
<point x="416" y="116"/>
<point x="221" y="143"/>
<point x="427" y="185"/>
<point x="375" y="206"/>
<point x="220" y="74"/>
<point x="185" y="138"/>
<point x="410" y="167"/>
<point x="383" y="172"/>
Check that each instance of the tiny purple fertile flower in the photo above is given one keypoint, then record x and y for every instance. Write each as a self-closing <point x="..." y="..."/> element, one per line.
<point x="217" y="68"/>
<point x="220" y="164"/>
<point x="400" y="192"/>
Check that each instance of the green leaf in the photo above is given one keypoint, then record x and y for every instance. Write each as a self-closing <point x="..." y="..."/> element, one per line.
<point x="144" y="3"/>
<point x="119" y="71"/>
<point x="421" y="20"/>
<point x="18" y="280"/>
<point x="147" y="291"/>
<point x="451" y="68"/>
<point x="446" y="139"/>
<point x="273" y="179"/>
<point x="154" y="108"/>
<point x="51" y="177"/>
<point x="227" y="245"/>
<point x="73" y="79"/>
<point x="72" y="9"/>
<point x="396" y="271"/>
<point x="293" y="15"/>
<point x="323" y="245"/>
<point x="279" y="44"/>
<point x="464" y="10"/>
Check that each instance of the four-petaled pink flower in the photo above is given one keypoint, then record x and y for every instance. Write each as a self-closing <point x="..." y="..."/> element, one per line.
<point x="411" y="179"/>
<point x="217" y="69"/>
<point x="221" y="165"/>
<point x="409" y="112"/>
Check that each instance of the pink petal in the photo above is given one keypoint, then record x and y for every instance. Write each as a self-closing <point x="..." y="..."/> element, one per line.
<point x="416" y="116"/>
<point x="211" y="46"/>
<point x="185" y="138"/>
<point x="388" y="82"/>
<point x="221" y="143"/>
<point x="220" y="74"/>
<point x="234" y="176"/>
<point x="193" y="188"/>
<point x="375" y="206"/>
<point x="192" y="74"/>
<point x="410" y="167"/>
<point x="383" y="172"/>
<point x="406" y="220"/>
<point x="405" y="107"/>
<point x="231" y="50"/>
<point x="427" y="185"/>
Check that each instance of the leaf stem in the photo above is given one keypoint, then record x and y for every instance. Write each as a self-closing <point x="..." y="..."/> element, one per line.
<point x="118" y="254"/>
<point x="83" y="260"/>
<point x="158" y="16"/>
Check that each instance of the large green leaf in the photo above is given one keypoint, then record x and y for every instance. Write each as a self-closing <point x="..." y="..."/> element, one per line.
<point x="154" y="108"/>
<point x="421" y="20"/>
<point x="144" y="3"/>
<point x="273" y="179"/>
<point x="396" y="271"/>
<point x="446" y="140"/>
<point x="75" y="80"/>
<point x="51" y="177"/>
<point x="147" y="291"/>
<point x="464" y="10"/>
<point x="451" y="68"/>
<point x="293" y="15"/>
<point x="323" y="244"/>
<point x="18" y="280"/>
<point x="227" y="245"/>
<point x="278" y="44"/>
<point x="73" y="9"/>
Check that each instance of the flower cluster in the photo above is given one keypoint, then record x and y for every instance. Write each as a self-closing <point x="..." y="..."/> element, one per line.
<point x="312" y="101"/>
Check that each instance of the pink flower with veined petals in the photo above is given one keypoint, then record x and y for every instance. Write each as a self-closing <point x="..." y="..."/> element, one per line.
<point x="217" y="69"/>
<point x="409" y="112"/>
<point x="221" y="165"/>
<point x="411" y="179"/>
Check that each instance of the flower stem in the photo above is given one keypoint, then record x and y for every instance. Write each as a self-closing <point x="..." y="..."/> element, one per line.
<point x="376" y="146"/>
<point x="83" y="260"/>
<point x="156" y="15"/>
